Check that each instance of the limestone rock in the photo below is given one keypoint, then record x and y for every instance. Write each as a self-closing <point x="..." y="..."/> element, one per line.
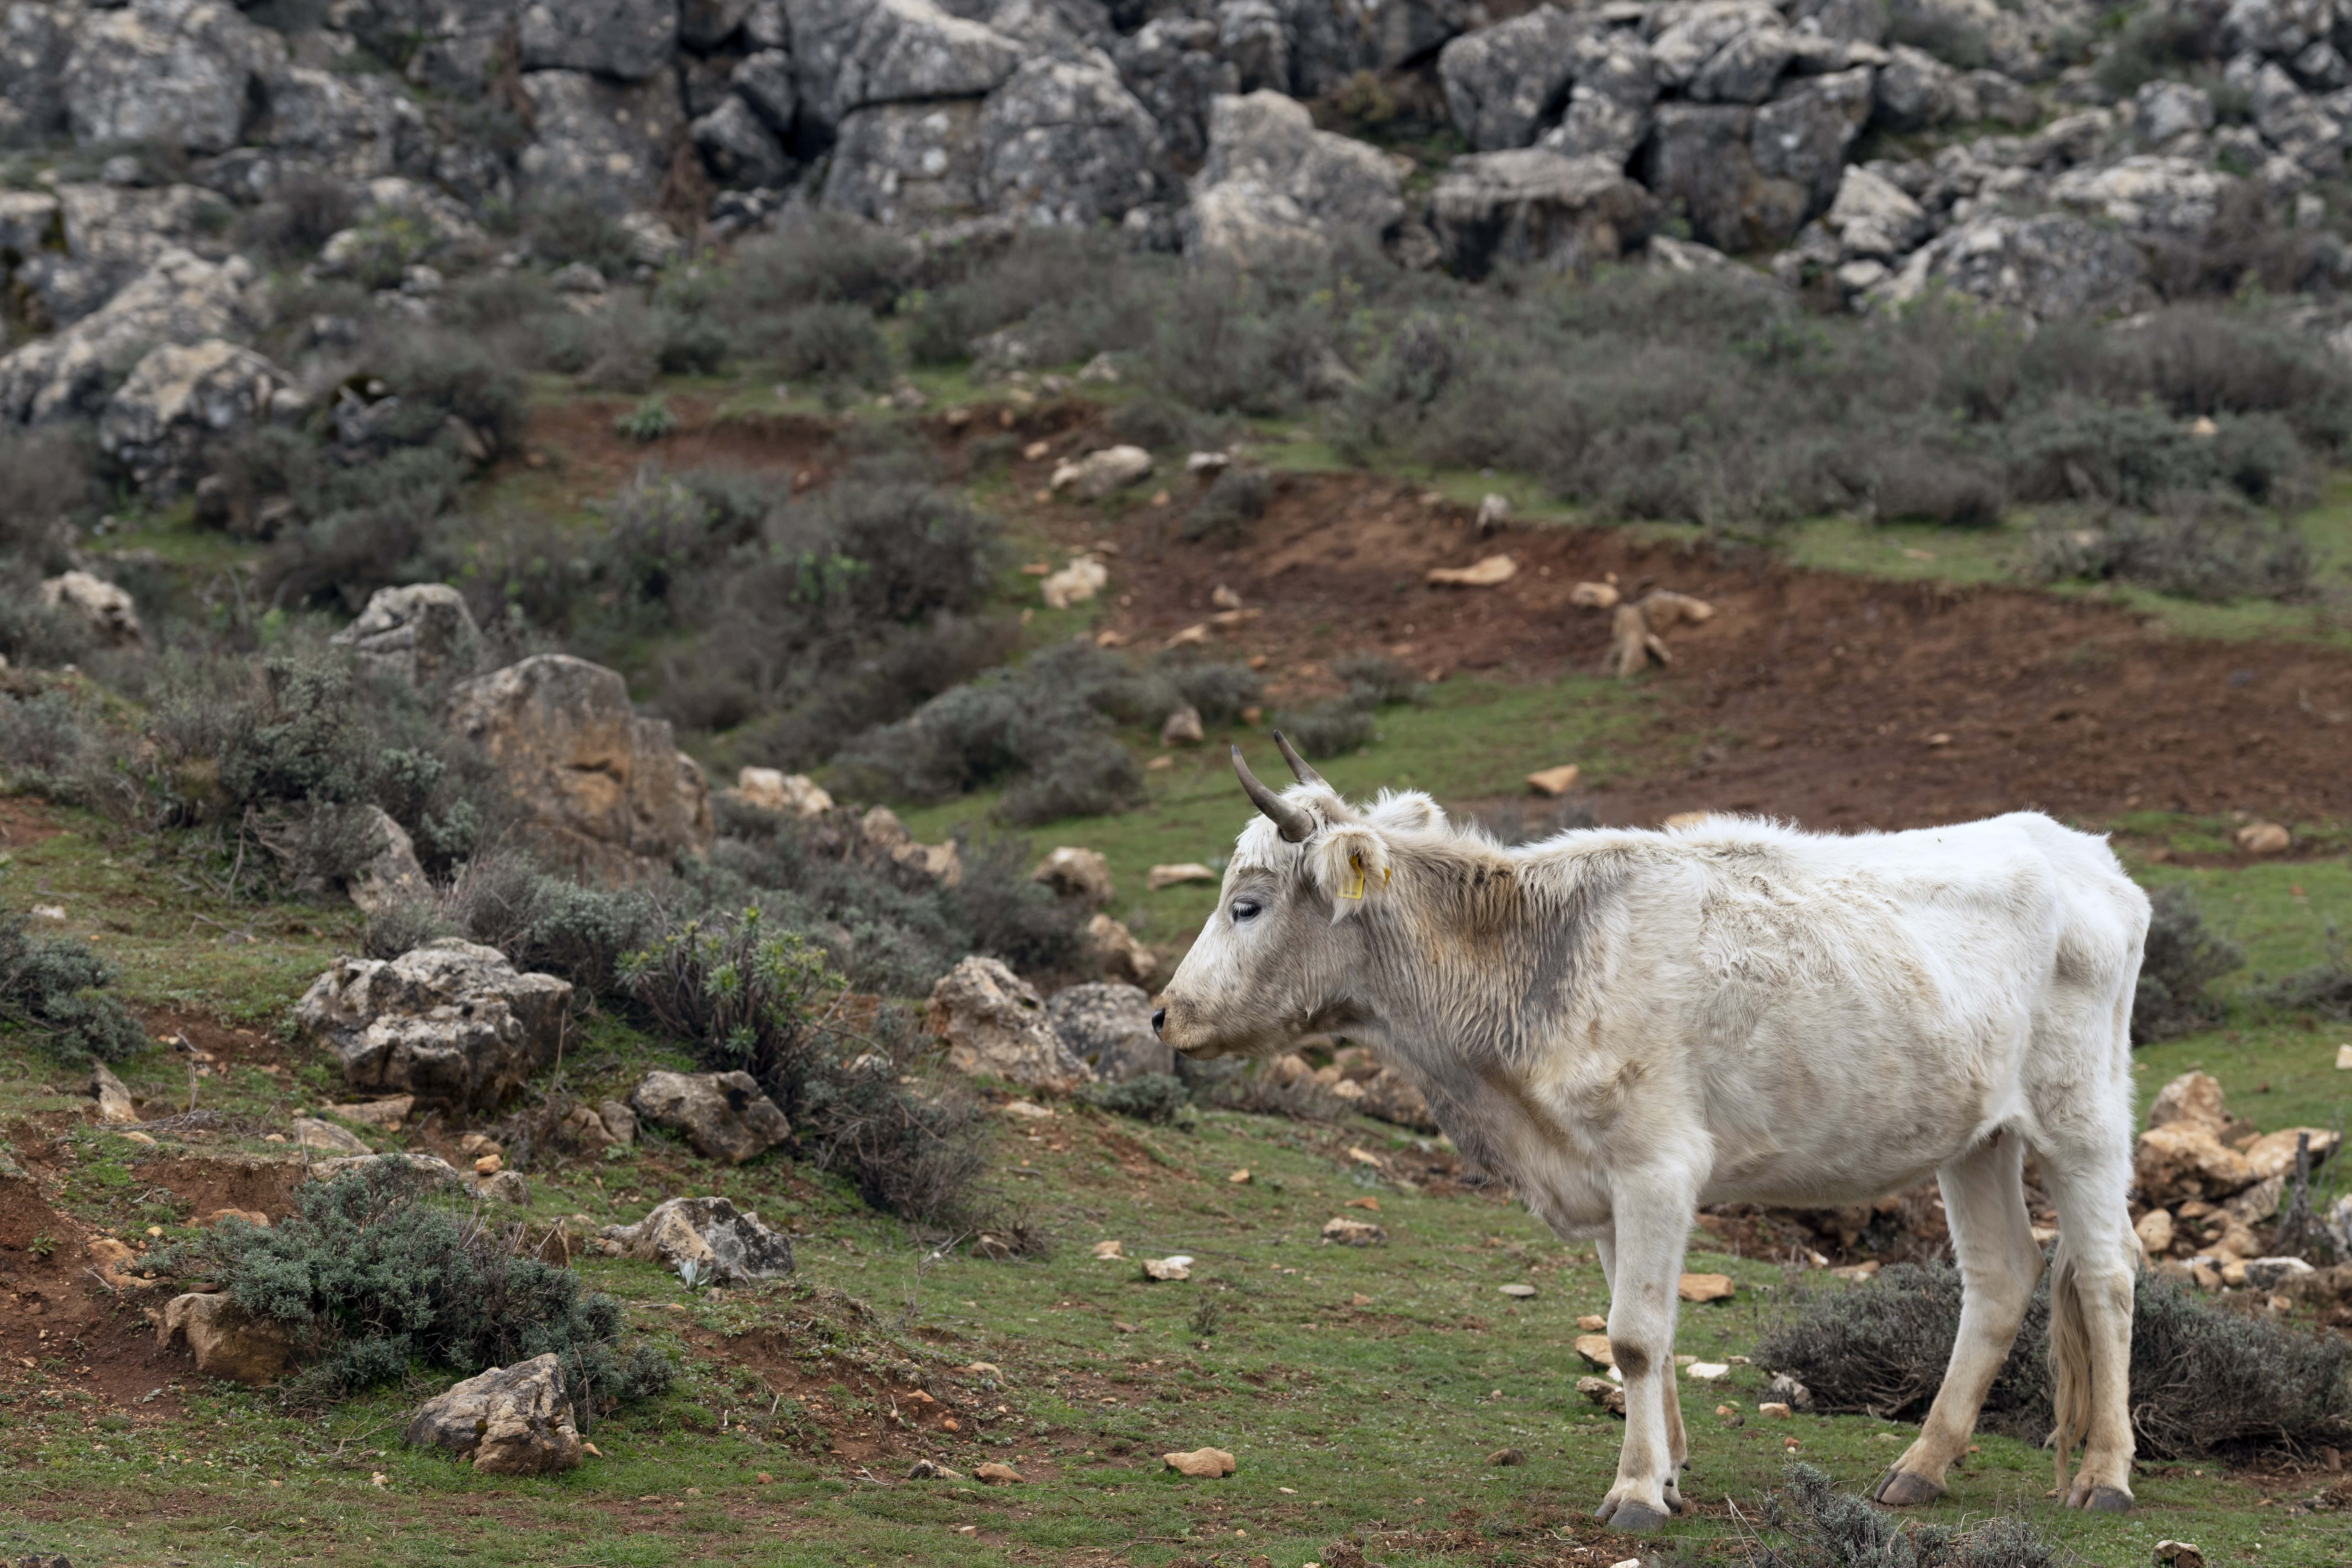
<point x="1174" y="67"/>
<point x="512" y="1421"/>
<point x="1183" y="727"/>
<point x="2048" y="267"/>
<point x="1273" y="186"/>
<point x="1064" y="141"/>
<point x="1175" y="875"/>
<point x="603" y="790"/>
<point x="1534" y="207"/>
<point x="503" y="1188"/>
<point x="620" y="1121"/>
<point x="852" y="53"/>
<point x="2154" y="1231"/>
<point x="741" y="147"/>
<point x="1699" y="1288"/>
<point x="2194" y="1099"/>
<point x="1100" y="472"/>
<point x="790" y="794"/>
<point x="226" y="1341"/>
<point x="1874" y="216"/>
<point x="450" y="1022"/>
<point x="882" y="830"/>
<point x="1389" y="1096"/>
<point x="2167" y="113"/>
<point x="2272" y="1154"/>
<point x="1206" y="1464"/>
<point x="2146" y="193"/>
<point x="179" y="400"/>
<point x="1075" y="584"/>
<point x="628" y="39"/>
<point x="609" y="142"/>
<point x="177" y="73"/>
<point x="1803" y="133"/>
<point x="994" y="1022"/>
<point x="723" y="1114"/>
<point x="388" y="1113"/>
<point x="83" y="243"/>
<point x="1353" y="1232"/>
<point x="1109" y="1026"/>
<point x="428" y="1168"/>
<point x="731" y="1245"/>
<point x="309" y="1132"/>
<point x="2183" y="1160"/>
<point x="1700" y="160"/>
<point x="114" y="1102"/>
<point x="1501" y="82"/>
<point x="98" y="603"/>
<point x="424" y="633"/>
<point x="180" y="298"/>
<point x="36" y="41"/>
<point x="1119" y="955"/>
<point x="906" y="163"/>
<point x="1075" y="873"/>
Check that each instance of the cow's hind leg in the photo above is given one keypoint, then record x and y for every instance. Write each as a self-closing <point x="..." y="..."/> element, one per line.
<point x="1643" y="1258"/>
<point x="1984" y="1200"/>
<point x="2091" y="1319"/>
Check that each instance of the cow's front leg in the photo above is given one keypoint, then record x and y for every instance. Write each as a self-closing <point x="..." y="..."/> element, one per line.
<point x="1644" y="1260"/>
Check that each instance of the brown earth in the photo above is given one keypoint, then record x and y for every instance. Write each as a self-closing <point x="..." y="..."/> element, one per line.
<point x="1812" y="696"/>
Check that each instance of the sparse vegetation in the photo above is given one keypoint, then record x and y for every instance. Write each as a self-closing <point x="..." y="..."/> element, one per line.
<point x="2181" y="961"/>
<point x="1823" y="1526"/>
<point x="651" y="420"/>
<point x="55" y="990"/>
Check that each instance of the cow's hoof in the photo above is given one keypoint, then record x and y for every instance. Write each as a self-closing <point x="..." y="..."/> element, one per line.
<point x="2108" y="1500"/>
<point x="1901" y="1488"/>
<point x="1634" y="1518"/>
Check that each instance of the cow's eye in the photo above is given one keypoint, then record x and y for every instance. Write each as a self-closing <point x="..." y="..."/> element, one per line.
<point x="1245" y="909"/>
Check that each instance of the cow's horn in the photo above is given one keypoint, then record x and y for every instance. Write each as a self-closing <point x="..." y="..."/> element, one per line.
<point x="1298" y="768"/>
<point x="1296" y="825"/>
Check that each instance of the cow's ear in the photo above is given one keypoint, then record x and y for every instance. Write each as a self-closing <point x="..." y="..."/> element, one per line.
<point x="1351" y="866"/>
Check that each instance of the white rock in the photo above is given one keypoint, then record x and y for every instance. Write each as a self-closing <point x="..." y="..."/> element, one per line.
<point x="104" y="607"/>
<point x="1099" y="473"/>
<point x="1075" y="584"/>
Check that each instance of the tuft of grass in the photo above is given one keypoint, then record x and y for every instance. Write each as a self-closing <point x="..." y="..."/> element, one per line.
<point x="651" y="420"/>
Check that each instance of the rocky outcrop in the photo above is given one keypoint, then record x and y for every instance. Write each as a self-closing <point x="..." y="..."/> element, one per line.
<point x="626" y="40"/>
<point x="424" y="633"/>
<point x="855" y="54"/>
<point x="603" y="791"/>
<point x="180" y="73"/>
<point x="226" y="1340"/>
<point x="608" y="141"/>
<point x="180" y="299"/>
<point x="508" y="1421"/>
<point x="391" y="875"/>
<point x="1064" y="141"/>
<point x="1108" y="1028"/>
<point x="2053" y="266"/>
<point x="451" y="1023"/>
<point x="994" y="1022"/>
<point x="1534" y="208"/>
<point x="906" y="163"/>
<point x="1502" y="82"/>
<point x="1273" y="187"/>
<point x="1080" y="874"/>
<point x="729" y="1246"/>
<point x="723" y="1114"/>
<point x="179" y="401"/>
<point x="102" y="606"/>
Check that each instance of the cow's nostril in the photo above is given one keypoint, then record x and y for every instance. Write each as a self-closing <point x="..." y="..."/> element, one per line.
<point x="1158" y="1020"/>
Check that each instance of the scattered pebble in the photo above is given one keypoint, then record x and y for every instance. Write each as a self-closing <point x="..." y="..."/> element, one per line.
<point x="1207" y="1463"/>
<point x="1522" y="1291"/>
<point x="997" y="1474"/>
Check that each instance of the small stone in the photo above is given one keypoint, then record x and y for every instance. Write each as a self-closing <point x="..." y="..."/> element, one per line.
<point x="1161" y="876"/>
<point x="505" y="1187"/>
<point x="2263" y="838"/>
<point x="1502" y="1457"/>
<point x="489" y="1165"/>
<point x="1207" y="1463"/>
<point x="1353" y="1232"/>
<point x="1100" y="472"/>
<point x="1183" y="727"/>
<point x="1604" y="1393"/>
<point x="1178" y="1266"/>
<point x="1593" y="1324"/>
<point x="312" y="1133"/>
<point x="1596" y="1350"/>
<point x="1488" y="572"/>
<point x="250" y="1217"/>
<point x="1789" y="1392"/>
<point x="2154" y="1231"/>
<point x="1708" y="1371"/>
<point x="1493" y="512"/>
<point x="1521" y="1291"/>
<point x="1027" y="1110"/>
<point x="1704" y="1287"/>
<point x="1109" y="1250"/>
<point x="1773" y="1410"/>
<point x="1593" y="595"/>
<point x="1240" y="1178"/>
<point x="2178" y="1555"/>
<point x="927" y="1470"/>
<point x="2344" y="1058"/>
<point x="996" y="1475"/>
<point x="1079" y="874"/>
<point x="1554" y="780"/>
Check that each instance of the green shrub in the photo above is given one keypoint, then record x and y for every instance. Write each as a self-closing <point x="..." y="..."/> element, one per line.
<point x="2323" y="991"/>
<point x="828" y="342"/>
<point x="2203" y="1379"/>
<point x="650" y="421"/>
<point x="1234" y="499"/>
<point x="1161" y="1097"/>
<point x="47" y="479"/>
<point x="2178" y="966"/>
<point x="371" y="1276"/>
<point x="54" y="988"/>
<point x="1824" y="1527"/>
<point x="2197" y="552"/>
<point x="563" y="228"/>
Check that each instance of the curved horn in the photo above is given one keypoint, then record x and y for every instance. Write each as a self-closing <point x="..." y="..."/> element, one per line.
<point x="1296" y="824"/>
<point x="1298" y="768"/>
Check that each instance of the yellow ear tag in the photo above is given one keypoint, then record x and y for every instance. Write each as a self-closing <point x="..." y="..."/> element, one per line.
<point x="1355" y="889"/>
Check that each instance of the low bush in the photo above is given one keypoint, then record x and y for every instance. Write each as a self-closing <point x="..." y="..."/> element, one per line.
<point x="1160" y="1098"/>
<point x="1234" y="499"/>
<point x="760" y="1000"/>
<point x="371" y="1274"/>
<point x="2322" y="991"/>
<point x="2178" y="967"/>
<point x="651" y="420"/>
<point x="830" y="342"/>
<point x="2203" y="1379"/>
<point x="48" y="481"/>
<point x="55" y="989"/>
<point x="46" y="746"/>
<point x="563" y="227"/>
<point x="1821" y="1526"/>
<point x="2196" y="551"/>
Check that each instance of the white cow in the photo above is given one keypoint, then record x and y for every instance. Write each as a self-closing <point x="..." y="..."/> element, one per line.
<point x="1627" y="1024"/>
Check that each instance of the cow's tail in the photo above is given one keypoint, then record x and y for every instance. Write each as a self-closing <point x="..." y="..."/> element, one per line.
<point x="2070" y="1359"/>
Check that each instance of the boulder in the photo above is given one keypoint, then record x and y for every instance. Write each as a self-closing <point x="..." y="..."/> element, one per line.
<point x="788" y="794"/>
<point x="1502" y="82"/>
<point x="764" y="80"/>
<point x="1536" y="208"/>
<point x="620" y="1121"/>
<point x="1389" y="1096"/>
<point x="177" y="402"/>
<point x="450" y="1022"/>
<point x="602" y="790"/>
<point x="1173" y="67"/>
<point x="114" y="1102"/>
<point x="854" y="54"/>
<point x="1699" y="161"/>
<point x="2146" y="193"/>
<point x="183" y="74"/>
<point x="102" y="606"/>
<point x="2273" y="1153"/>
<point x="1691" y="36"/>
<point x="882" y="831"/>
<point x="731" y="1246"/>
<point x="1273" y="186"/>
<point x="1803" y="133"/>
<point x="357" y="125"/>
<point x="1609" y="109"/>
<point x="423" y="633"/>
<point x="388" y="1113"/>
<point x="2182" y="1161"/>
<point x="1744" y="69"/>
<point x="723" y="1114"/>
<point x="994" y="1022"/>
<point x="1915" y="90"/>
<point x="2280" y="28"/>
<point x="1874" y="216"/>
<point x="391" y="875"/>
<point x="906" y="163"/>
<point x="1329" y="44"/>
<point x="503" y="1188"/>
<point x="309" y="1132"/>
<point x="1118" y="953"/>
<point x="1109" y="1026"/>
<point x="741" y="147"/>
<point x="626" y="39"/>
<point x="226" y="1340"/>
<point x="2047" y="266"/>
<point x="85" y="242"/>
<point x="1102" y="472"/>
<point x="1076" y="582"/>
<point x="510" y="1421"/>
<point x="427" y="1168"/>
<point x="608" y="141"/>
<point x="181" y="298"/>
<point x="1083" y="875"/>
<point x="36" y="41"/>
<point x="1063" y="141"/>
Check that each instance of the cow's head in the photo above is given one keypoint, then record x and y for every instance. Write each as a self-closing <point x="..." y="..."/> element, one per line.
<point x="1285" y="951"/>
